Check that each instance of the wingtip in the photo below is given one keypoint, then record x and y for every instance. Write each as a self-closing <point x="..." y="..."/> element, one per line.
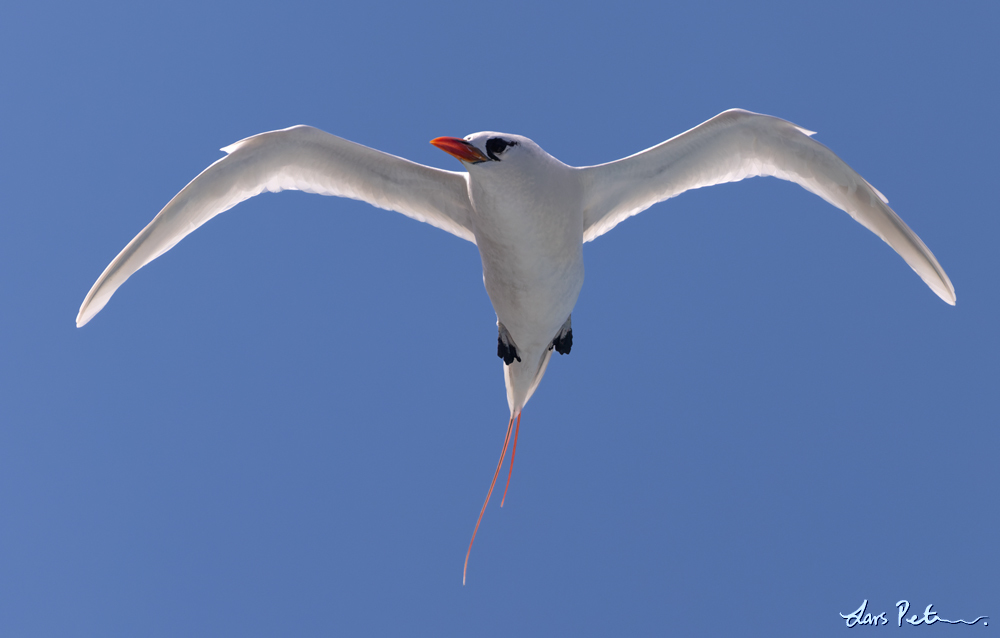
<point x="946" y="292"/>
<point x="81" y="319"/>
<point x="92" y="304"/>
<point x="945" y="289"/>
<point x="87" y="310"/>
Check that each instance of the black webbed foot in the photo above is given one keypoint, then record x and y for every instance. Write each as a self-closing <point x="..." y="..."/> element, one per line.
<point x="564" y="339"/>
<point x="506" y="352"/>
<point x="563" y="342"/>
<point x="506" y="349"/>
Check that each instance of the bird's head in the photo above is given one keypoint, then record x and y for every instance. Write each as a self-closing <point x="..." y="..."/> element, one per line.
<point x="489" y="149"/>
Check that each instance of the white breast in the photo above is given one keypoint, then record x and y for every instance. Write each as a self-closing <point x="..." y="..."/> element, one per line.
<point x="528" y="222"/>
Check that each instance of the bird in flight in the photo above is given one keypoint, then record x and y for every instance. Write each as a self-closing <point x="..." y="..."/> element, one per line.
<point x="528" y="213"/>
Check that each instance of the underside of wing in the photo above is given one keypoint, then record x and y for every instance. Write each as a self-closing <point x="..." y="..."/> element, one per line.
<point x="298" y="158"/>
<point x="738" y="144"/>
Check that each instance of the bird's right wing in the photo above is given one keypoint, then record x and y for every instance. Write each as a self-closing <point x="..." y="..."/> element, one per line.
<point x="297" y="158"/>
<point x="737" y="144"/>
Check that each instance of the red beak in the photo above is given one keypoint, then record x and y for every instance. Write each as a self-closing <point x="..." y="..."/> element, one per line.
<point x="460" y="149"/>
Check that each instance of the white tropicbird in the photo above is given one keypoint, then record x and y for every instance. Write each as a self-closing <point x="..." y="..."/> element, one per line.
<point x="528" y="213"/>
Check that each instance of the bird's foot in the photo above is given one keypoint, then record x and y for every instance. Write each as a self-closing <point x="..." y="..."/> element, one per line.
<point x="564" y="338"/>
<point x="506" y="349"/>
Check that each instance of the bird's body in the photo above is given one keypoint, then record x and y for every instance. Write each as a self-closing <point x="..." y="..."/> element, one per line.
<point x="528" y="213"/>
<point x="530" y="239"/>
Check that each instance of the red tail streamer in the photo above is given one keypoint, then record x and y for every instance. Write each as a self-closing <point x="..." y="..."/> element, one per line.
<point x="506" y="441"/>
<point x="513" y="452"/>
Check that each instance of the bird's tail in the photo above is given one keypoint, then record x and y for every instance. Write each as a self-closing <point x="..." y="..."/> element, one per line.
<point x="521" y="378"/>
<point x="506" y="441"/>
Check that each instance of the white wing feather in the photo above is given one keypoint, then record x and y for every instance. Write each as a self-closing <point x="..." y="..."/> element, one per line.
<point x="297" y="158"/>
<point x="737" y="144"/>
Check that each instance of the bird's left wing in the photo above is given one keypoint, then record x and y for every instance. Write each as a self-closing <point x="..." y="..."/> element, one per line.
<point x="297" y="158"/>
<point x="737" y="144"/>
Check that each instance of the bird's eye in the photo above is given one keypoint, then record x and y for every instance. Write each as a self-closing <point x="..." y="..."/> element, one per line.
<point x="497" y="145"/>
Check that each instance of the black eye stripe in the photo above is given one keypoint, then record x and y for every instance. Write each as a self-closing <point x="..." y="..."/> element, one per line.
<point x="496" y="145"/>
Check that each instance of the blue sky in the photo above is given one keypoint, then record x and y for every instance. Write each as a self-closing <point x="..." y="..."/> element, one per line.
<point x="287" y="425"/>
